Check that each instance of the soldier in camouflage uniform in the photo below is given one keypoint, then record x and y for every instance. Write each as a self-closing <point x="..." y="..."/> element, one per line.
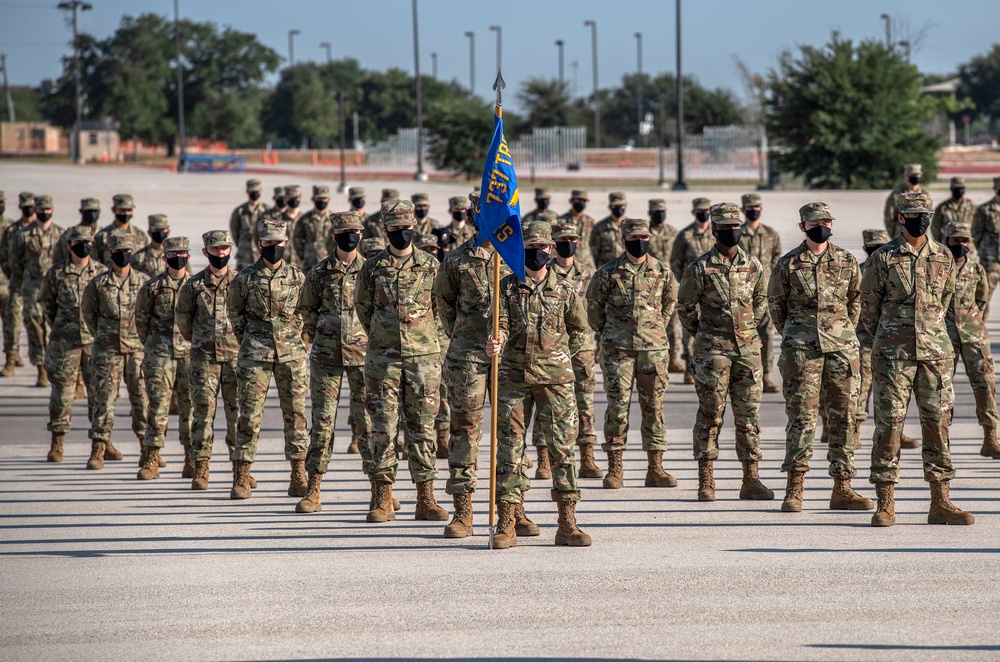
<point x="584" y="224"/>
<point x="421" y="213"/>
<point x="356" y="199"/>
<point x="109" y="310"/>
<point x="123" y="208"/>
<point x="692" y="242"/>
<point x="13" y="311"/>
<point x="543" y="330"/>
<point x="720" y="302"/>
<point x="605" y="240"/>
<point x="956" y="209"/>
<point x="371" y="247"/>
<point x="402" y="367"/>
<point x="913" y="173"/>
<point x="661" y="244"/>
<point x="30" y="258"/>
<point x="461" y="229"/>
<point x="339" y="344"/>
<point x="165" y="360"/>
<point x="986" y="236"/>
<point x="764" y="243"/>
<point x="311" y="238"/>
<point x="442" y="421"/>
<point x="265" y="309"/>
<point x="203" y="320"/>
<point x="629" y="302"/>
<point x="243" y="224"/>
<point x="271" y="214"/>
<point x="872" y="241"/>
<point x="69" y="349"/>
<point x="373" y="222"/>
<point x="5" y="222"/>
<point x="90" y="211"/>
<point x="543" y="196"/>
<point x="968" y="332"/>
<point x="814" y="296"/>
<point x="291" y="217"/>
<point x="150" y="259"/>
<point x="906" y="292"/>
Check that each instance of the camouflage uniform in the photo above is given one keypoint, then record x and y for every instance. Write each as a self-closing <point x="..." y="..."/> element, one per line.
<point x="690" y="244"/>
<point x="661" y="244"/>
<point x="312" y="232"/>
<point x="61" y="251"/>
<point x="13" y="311"/>
<point x="986" y="235"/>
<point x="102" y="252"/>
<point x="149" y="259"/>
<point x="373" y="222"/>
<point x="889" y="212"/>
<point x="871" y="238"/>
<point x="243" y="226"/>
<point x="291" y="217"/>
<point x="166" y="352"/>
<point x="584" y="224"/>
<point x="541" y="193"/>
<point x="763" y="243"/>
<point x="458" y="235"/>
<point x="269" y="214"/>
<point x="5" y="222"/>
<point x="202" y="317"/>
<point x="606" y="238"/>
<point x="951" y="210"/>
<point x="426" y="224"/>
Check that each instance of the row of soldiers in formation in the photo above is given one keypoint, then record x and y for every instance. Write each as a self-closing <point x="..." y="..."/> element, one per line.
<point x="390" y="321"/>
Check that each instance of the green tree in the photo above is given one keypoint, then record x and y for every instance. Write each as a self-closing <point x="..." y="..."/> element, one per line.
<point x="548" y="103"/>
<point x="302" y="110"/>
<point x="461" y="130"/>
<point x="981" y="83"/>
<point x="849" y="115"/>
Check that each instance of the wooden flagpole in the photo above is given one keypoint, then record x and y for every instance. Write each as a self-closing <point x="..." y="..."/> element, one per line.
<point x="498" y="85"/>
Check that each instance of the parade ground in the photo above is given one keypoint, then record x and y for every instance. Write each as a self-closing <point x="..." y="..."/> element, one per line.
<point x="95" y="565"/>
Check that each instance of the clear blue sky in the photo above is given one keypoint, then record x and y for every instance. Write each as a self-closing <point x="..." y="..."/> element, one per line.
<point x="378" y="33"/>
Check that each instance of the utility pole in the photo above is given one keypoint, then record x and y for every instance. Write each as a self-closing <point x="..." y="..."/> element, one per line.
<point x="329" y="51"/>
<point x="6" y="88"/>
<point x="420" y="175"/>
<point x="888" y="30"/>
<point x="343" y="157"/>
<point x="291" y="46"/>
<point x="182" y="163"/>
<point x="499" y="31"/>
<point x="575" y="66"/>
<point x="472" y="62"/>
<point x="680" y="184"/>
<point x="597" y="98"/>
<point x="638" y="90"/>
<point x="434" y="66"/>
<point x="559" y="45"/>
<point x="75" y="6"/>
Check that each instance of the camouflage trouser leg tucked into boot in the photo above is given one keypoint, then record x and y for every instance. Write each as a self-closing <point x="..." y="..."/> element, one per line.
<point x="164" y="376"/>
<point x="107" y="368"/>
<point x="292" y="381"/>
<point x="325" y="383"/>
<point x="648" y="371"/>
<point x="208" y="379"/>
<point x="738" y="377"/>
<point x="978" y="361"/>
<point x="64" y="366"/>
<point x="467" y="388"/>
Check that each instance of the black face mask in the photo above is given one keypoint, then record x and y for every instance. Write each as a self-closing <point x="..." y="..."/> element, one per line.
<point x="158" y="236"/>
<point x="443" y="236"/>
<point x="436" y="252"/>
<point x="870" y="250"/>
<point x="579" y="207"/>
<point x="458" y="216"/>
<point x="542" y="204"/>
<point x="358" y="203"/>
<point x="43" y="216"/>
<point x="254" y="195"/>
<point x="293" y="203"/>
<point x="917" y="225"/>
<point x="958" y="250"/>
<point x="347" y="241"/>
<point x="617" y="211"/>
<point x="400" y="239"/>
<point x="3" y="208"/>
<point x="81" y="249"/>
<point x="729" y="237"/>
<point x="819" y="234"/>
<point x="702" y="215"/>
<point x="958" y="193"/>
<point x="321" y="204"/>
<point x="177" y="262"/>
<point x="752" y="214"/>
<point x="279" y="203"/>
<point x="28" y="211"/>
<point x="218" y="261"/>
<point x="121" y="259"/>
<point x="565" y="248"/>
<point x="913" y="179"/>
<point x="272" y="253"/>
<point x="637" y="247"/>
<point x="657" y="217"/>
<point x="420" y="212"/>
<point x="535" y="258"/>
<point x="89" y="217"/>
<point x="123" y="218"/>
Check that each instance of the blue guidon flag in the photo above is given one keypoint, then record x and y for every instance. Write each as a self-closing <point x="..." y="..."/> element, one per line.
<point x="498" y="214"/>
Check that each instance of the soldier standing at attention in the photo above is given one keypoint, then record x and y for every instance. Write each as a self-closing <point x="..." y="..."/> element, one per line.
<point x="906" y="293"/>
<point x="373" y="222"/>
<point x="584" y="224"/>
<point x="109" y="310"/>
<point x="764" y="243"/>
<point x="271" y="214"/>
<point x="421" y="212"/>
<point x="442" y="420"/>
<point x="265" y="308"/>
<point x="461" y="229"/>
<point x="150" y="259"/>
<point x="5" y="222"/>
<point x="338" y="348"/>
<point x="692" y="242"/>
<point x="13" y="312"/>
<point x="720" y="302"/>
<point x="872" y="241"/>
<point x="123" y="208"/>
<point x="312" y="232"/>
<point x="968" y="333"/>
<point x="166" y="354"/>
<point x="606" y="240"/>
<point x="543" y="329"/>
<point x="243" y="224"/>
<point x="814" y="295"/>
<point x="986" y="236"/>
<point x="290" y="217"/>
<point x="543" y="196"/>
<point x="629" y="303"/>
<point x="661" y="244"/>
<point x="356" y="198"/>
<point x="394" y="304"/>
<point x="69" y="349"/>
<point x="956" y="209"/>
<point x="913" y="173"/>
<point x="90" y="211"/>
<point x="203" y="320"/>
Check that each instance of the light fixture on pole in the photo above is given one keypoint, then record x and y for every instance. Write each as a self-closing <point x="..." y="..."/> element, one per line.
<point x="291" y="46"/>
<point x="597" y="99"/>
<point x="472" y="62"/>
<point x="329" y="51"/>
<point x="680" y="184"/>
<point x="499" y="31"/>
<point x="559" y="45"/>
<point x="419" y="175"/>
<point x="76" y="6"/>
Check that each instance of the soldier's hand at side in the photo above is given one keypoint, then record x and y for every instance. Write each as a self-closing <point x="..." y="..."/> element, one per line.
<point x="492" y="347"/>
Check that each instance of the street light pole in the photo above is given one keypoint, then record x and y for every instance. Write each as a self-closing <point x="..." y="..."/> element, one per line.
<point x="420" y="175"/>
<point x="680" y="184"/>
<point x="291" y="46"/>
<point x="343" y="130"/>
<point x="559" y="45"/>
<point x="472" y="62"/>
<point x="76" y="6"/>
<point x="182" y="163"/>
<point x="328" y="47"/>
<point x="575" y="66"/>
<point x="888" y="30"/>
<point x="434" y="66"/>
<point x="638" y="91"/>
<point x="597" y="98"/>
<point x="499" y="31"/>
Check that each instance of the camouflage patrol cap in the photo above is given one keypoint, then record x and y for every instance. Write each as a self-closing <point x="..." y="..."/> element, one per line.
<point x="293" y="191"/>
<point x="538" y="232"/>
<point x="425" y="241"/>
<point x="90" y="204"/>
<point x="996" y="182"/>
<point x="549" y="217"/>
<point x="123" y="201"/>
<point x="321" y="192"/>
<point x="701" y="204"/>
<point x="874" y="237"/>
<point x="634" y="227"/>
<point x="217" y="238"/>
<point x="119" y="241"/>
<point x="579" y="194"/>
<point x="914" y="202"/>
<point x="751" y="200"/>
<point x="43" y="202"/>
<point x="420" y="199"/>
<point x="913" y="169"/>
<point x="726" y="213"/>
<point x="543" y="193"/>
<point x="958" y="229"/>
<point x="458" y="202"/>
<point x="80" y="233"/>
<point x="397" y="213"/>
<point x="176" y="245"/>
<point x="957" y="182"/>
<point x="815" y="211"/>
<point x="474" y="196"/>
<point x="346" y="220"/>
<point x="372" y="245"/>
<point x="390" y="194"/>
<point x="279" y="191"/>
<point x="26" y="199"/>
<point x="253" y="185"/>
<point x="617" y="198"/>
<point x="356" y="192"/>
<point x="159" y="222"/>
<point x="564" y="231"/>
<point x="657" y="204"/>
<point x="271" y="231"/>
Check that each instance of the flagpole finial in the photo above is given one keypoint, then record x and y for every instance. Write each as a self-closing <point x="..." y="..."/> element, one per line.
<point x="499" y="85"/>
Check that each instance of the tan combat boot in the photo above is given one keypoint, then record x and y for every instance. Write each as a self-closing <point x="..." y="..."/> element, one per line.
<point x="443" y="435"/>
<point x="857" y="436"/>
<point x="352" y="448"/>
<point x="96" y="460"/>
<point x="81" y="391"/>
<point x="188" y="470"/>
<point x="616" y="473"/>
<point x="427" y="506"/>
<point x="150" y="468"/>
<point x="906" y="441"/>
<point x="43" y="377"/>
<point x="943" y="511"/>
<point x="706" y="481"/>
<point x="56" y="451"/>
<point x="845" y="498"/>
<point x="112" y="453"/>
<point x="569" y="533"/>
<point x="588" y="468"/>
<point x="675" y="366"/>
<point x="886" y="513"/>
<point x="201" y="470"/>
<point x="990" y="447"/>
<point x="769" y="386"/>
<point x="311" y="502"/>
<point x="253" y="481"/>
<point x="241" y="481"/>
<point x="688" y="377"/>
<point x="544" y="469"/>
<point x="9" y="367"/>
<point x="825" y="433"/>
<point x="382" y="509"/>
<point x="655" y="475"/>
<point x="18" y="361"/>
<point x="793" y="492"/>
<point x="298" y="480"/>
<point x="752" y="488"/>
<point x="522" y="525"/>
<point x="160" y="461"/>
<point x="460" y="525"/>
<point x="505" y="535"/>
